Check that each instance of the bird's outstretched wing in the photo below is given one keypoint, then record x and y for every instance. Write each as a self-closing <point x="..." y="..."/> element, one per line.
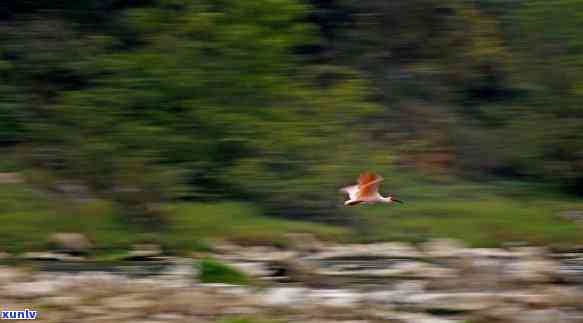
<point x="352" y="191"/>
<point x="368" y="184"/>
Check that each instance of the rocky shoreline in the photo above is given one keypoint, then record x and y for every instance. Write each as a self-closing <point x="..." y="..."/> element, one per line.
<point x="437" y="282"/>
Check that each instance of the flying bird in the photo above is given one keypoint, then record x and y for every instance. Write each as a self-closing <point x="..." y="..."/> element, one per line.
<point x="367" y="191"/>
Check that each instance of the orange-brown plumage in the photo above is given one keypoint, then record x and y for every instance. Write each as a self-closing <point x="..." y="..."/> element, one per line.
<point x="368" y="184"/>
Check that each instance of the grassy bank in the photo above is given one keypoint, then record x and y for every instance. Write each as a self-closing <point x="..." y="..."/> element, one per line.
<point x="481" y="223"/>
<point x="481" y="214"/>
<point x="477" y="214"/>
<point x="29" y="216"/>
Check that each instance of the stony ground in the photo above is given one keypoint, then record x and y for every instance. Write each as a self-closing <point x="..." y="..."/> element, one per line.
<point x="441" y="282"/>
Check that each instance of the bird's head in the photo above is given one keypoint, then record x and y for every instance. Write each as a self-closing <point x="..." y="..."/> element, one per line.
<point x="392" y="198"/>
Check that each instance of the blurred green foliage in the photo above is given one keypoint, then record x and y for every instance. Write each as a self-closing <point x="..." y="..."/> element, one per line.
<point x="478" y="214"/>
<point x="29" y="216"/>
<point x="213" y="271"/>
<point x="207" y="101"/>
<point x="280" y="102"/>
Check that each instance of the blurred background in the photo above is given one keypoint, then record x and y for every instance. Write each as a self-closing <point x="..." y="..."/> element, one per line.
<point x="173" y="161"/>
<point x="184" y="122"/>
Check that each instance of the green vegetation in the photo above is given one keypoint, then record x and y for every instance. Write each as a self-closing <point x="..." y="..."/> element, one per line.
<point x="29" y="216"/>
<point x="212" y="271"/>
<point x="170" y="113"/>
<point x="480" y="215"/>
<point x="240" y="223"/>
<point x="484" y="223"/>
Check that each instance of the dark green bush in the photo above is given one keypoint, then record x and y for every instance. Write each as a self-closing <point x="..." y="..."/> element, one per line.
<point x="213" y="271"/>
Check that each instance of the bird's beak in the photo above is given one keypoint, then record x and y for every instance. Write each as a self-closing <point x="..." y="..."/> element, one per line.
<point x="398" y="201"/>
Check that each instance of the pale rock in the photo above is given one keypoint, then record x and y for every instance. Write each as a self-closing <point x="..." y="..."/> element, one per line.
<point x="30" y="289"/>
<point x="532" y="270"/>
<point x="168" y="317"/>
<point x="259" y="254"/>
<point x="528" y="298"/>
<point x="461" y="302"/>
<point x="335" y="297"/>
<point x="404" y="269"/>
<point x="563" y="296"/>
<point x="410" y="286"/>
<point x="61" y="301"/>
<point x="90" y="310"/>
<point x="241" y="310"/>
<point x="395" y="250"/>
<point x="489" y="253"/>
<point x="385" y="297"/>
<point x="444" y="248"/>
<point x="145" y="251"/>
<point x="126" y="303"/>
<point x="404" y="317"/>
<point x="531" y="252"/>
<point x="74" y="243"/>
<point x="285" y="296"/>
<point x="254" y="269"/>
<point x="49" y="256"/>
<point x="8" y="274"/>
<point x="542" y="316"/>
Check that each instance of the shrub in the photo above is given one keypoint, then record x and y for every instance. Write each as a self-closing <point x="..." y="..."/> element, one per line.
<point x="212" y="271"/>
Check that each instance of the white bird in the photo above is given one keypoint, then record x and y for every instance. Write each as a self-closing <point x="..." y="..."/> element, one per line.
<point x="367" y="191"/>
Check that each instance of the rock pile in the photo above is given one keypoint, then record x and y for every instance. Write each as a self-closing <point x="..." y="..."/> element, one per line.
<point x="438" y="282"/>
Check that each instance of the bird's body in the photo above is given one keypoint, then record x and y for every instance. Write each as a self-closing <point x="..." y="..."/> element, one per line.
<point x="367" y="191"/>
